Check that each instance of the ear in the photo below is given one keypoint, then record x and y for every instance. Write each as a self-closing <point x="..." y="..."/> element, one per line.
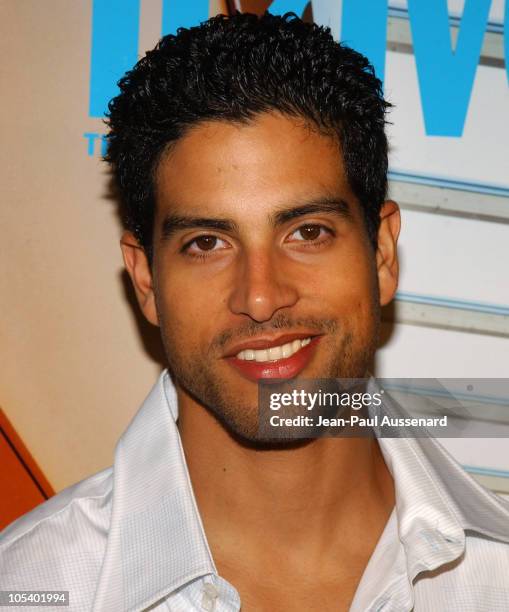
<point x="387" y="254"/>
<point x="138" y="267"/>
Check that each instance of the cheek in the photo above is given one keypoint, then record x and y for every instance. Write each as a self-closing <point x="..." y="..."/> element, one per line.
<point x="187" y="309"/>
<point x="345" y="283"/>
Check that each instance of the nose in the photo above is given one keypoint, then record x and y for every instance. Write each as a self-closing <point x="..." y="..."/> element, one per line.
<point x="261" y="288"/>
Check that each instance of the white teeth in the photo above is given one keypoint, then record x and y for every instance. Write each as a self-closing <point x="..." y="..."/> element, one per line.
<point x="286" y="349"/>
<point x="273" y="354"/>
<point x="261" y="355"/>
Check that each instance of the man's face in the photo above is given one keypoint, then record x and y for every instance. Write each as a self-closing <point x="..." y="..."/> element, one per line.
<point x="262" y="265"/>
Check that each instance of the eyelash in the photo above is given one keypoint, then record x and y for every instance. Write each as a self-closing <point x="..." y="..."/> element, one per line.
<point x="200" y="254"/>
<point x="318" y="242"/>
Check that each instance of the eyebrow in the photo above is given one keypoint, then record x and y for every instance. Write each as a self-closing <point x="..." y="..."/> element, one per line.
<point x="337" y="206"/>
<point x="174" y="223"/>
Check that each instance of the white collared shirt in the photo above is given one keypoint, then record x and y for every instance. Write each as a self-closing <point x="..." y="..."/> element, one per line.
<point x="130" y="537"/>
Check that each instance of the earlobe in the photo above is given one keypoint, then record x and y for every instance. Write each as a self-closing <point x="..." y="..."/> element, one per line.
<point x="387" y="254"/>
<point x="138" y="268"/>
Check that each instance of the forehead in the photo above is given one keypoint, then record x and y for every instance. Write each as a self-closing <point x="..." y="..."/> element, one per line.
<point x="231" y="168"/>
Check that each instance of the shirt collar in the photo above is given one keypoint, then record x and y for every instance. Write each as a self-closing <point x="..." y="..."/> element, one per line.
<point x="156" y="542"/>
<point x="437" y="503"/>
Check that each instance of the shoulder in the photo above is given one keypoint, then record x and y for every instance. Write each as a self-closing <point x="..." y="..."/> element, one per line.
<point x="484" y="553"/>
<point x="61" y="542"/>
<point x="90" y="493"/>
<point x="475" y="582"/>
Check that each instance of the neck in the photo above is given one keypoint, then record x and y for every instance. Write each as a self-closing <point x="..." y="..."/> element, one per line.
<point x="324" y="500"/>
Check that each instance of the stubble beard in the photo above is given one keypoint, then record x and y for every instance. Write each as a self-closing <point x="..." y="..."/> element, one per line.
<point x="198" y="379"/>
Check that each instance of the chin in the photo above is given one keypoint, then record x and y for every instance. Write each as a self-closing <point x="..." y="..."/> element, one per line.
<point x="246" y="433"/>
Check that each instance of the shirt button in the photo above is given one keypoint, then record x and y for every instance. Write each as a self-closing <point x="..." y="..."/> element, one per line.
<point x="210" y="594"/>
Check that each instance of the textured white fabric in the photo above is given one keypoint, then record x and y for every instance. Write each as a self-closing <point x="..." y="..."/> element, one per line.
<point x="130" y="537"/>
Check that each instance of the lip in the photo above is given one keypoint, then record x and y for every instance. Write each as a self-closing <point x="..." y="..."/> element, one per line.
<point x="266" y="343"/>
<point x="285" y="368"/>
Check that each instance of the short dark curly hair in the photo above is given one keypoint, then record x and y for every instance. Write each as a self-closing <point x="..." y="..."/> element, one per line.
<point x="233" y="69"/>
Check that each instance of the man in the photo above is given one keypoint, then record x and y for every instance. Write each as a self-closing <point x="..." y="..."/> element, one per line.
<point x="252" y="163"/>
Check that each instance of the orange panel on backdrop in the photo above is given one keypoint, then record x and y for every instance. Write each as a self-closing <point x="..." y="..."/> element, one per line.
<point x="22" y="484"/>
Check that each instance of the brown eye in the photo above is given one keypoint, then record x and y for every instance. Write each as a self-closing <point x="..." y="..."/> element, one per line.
<point x="205" y="243"/>
<point x="314" y="233"/>
<point x="310" y="232"/>
<point x="204" y="246"/>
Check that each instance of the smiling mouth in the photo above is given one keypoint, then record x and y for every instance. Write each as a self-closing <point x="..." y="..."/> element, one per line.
<point x="275" y="353"/>
<point x="280" y="358"/>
